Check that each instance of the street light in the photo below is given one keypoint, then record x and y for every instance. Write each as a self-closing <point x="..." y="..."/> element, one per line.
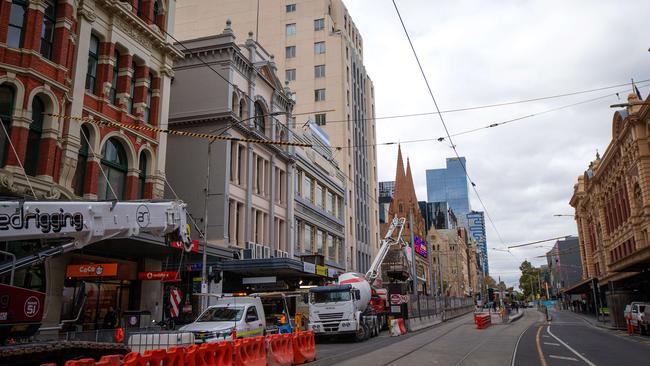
<point x="204" y="272"/>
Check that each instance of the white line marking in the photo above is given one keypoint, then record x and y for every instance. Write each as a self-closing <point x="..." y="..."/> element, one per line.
<point x="552" y="344"/>
<point x="514" y="352"/>
<point x="545" y="336"/>
<point x="563" y="358"/>
<point x="548" y="330"/>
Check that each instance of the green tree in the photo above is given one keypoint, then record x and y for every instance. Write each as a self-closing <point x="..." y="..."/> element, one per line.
<point x="528" y="281"/>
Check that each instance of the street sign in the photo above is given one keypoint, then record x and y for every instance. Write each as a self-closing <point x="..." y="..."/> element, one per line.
<point x="157" y="275"/>
<point x="395" y="299"/>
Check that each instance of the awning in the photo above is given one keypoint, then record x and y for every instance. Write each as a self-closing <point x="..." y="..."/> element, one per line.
<point x="580" y="288"/>
<point x="273" y="267"/>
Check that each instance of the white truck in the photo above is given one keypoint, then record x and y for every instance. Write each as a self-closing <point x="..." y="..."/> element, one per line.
<point x="343" y="308"/>
<point x="636" y="312"/>
<point x="63" y="226"/>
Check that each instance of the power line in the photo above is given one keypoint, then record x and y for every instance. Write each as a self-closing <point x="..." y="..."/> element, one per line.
<point x="537" y="242"/>
<point x="442" y="120"/>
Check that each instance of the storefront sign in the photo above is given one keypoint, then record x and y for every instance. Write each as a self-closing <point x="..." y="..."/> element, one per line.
<point x="321" y="270"/>
<point x="179" y="245"/>
<point x="331" y="273"/>
<point x="157" y="275"/>
<point x="308" y="267"/>
<point x="91" y="270"/>
<point x="252" y="280"/>
<point x="420" y="247"/>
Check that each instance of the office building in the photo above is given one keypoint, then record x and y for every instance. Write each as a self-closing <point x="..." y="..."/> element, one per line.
<point x="476" y="228"/>
<point x="386" y="192"/>
<point x="450" y="185"/>
<point x="318" y="51"/>
<point x="564" y="264"/>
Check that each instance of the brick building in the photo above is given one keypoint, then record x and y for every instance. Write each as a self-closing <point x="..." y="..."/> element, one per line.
<point x="98" y="59"/>
<point x="612" y="203"/>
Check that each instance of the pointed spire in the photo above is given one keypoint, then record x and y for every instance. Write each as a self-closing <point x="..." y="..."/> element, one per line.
<point x="409" y="182"/>
<point x="400" y="164"/>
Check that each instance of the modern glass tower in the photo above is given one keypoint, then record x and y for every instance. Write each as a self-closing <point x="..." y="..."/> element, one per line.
<point x="450" y="185"/>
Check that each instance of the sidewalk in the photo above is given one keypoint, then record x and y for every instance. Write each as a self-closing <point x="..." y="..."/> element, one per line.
<point x="592" y="320"/>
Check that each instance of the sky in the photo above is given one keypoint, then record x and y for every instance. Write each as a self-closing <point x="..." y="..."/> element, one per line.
<point x="479" y="52"/>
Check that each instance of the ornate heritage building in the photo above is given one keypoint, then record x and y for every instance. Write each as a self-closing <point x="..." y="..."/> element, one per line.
<point x="612" y="206"/>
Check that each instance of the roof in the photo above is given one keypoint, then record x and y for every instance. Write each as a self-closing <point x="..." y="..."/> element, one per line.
<point x="333" y="288"/>
<point x="236" y="300"/>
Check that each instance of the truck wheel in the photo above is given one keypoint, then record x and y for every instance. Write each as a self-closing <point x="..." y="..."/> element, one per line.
<point x="368" y="332"/>
<point x="361" y="334"/>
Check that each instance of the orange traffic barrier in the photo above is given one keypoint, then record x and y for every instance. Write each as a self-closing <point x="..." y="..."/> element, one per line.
<point x="135" y="359"/>
<point x="402" y="325"/>
<point x="110" y="360"/>
<point x="250" y="352"/>
<point x="156" y="356"/>
<point x="218" y="354"/>
<point x="304" y="347"/>
<point x="482" y="320"/>
<point x="279" y="349"/>
<point x="82" y="362"/>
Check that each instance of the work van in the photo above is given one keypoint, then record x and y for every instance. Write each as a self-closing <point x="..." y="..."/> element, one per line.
<point x="229" y="318"/>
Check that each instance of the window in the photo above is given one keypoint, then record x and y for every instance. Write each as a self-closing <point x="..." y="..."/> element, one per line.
<point x="115" y="167"/>
<point x="290" y="52"/>
<point x="319" y="24"/>
<point x="331" y="253"/>
<point x="329" y="202"/>
<point x="290" y="74"/>
<point x="34" y="136"/>
<point x="319" y="95"/>
<point x="6" y="112"/>
<point x="290" y="29"/>
<point x="291" y="8"/>
<point x="319" y="48"/>
<point x="321" y="119"/>
<point x="79" y="180"/>
<point x="134" y="67"/>
<point x="142" y="175"/>
<point x="16" y="23"/>
<point x="306" y="188"/>
<point x="319" y="71"/>
<point x="147" y="106"/>
<point x="318" y="195"/>
<point x="47" y="31"/>
<point x="319" y="242"/>
<point x="251" y="315"/>
<point x="93" y="57"/>
<point x="116" y="75"/>
<point x="307" y="241"/>
<point x="260" y="118"/>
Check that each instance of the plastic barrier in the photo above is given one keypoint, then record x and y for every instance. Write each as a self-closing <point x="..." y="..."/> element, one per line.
<point x="82" y="362"/>
<point x="135" y="359"/>
<point x="397" y="327"/>
<point x="110" y="360"/>
<point x="402" y="325"/>
<point x="218" y="354"/>
<point x="279" y="350"/>
<point x="304" y="347"/>
<point x="482" y="321"/>
<point x="250" y="352"/>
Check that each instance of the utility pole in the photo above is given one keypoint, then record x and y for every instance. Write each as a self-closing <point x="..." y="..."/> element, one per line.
<point x="413" y="267"/>
<point x="531" y="288"/>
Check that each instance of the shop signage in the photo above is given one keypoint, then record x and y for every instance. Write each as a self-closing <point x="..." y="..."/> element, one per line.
<point x="252" y="280"/>
<point x="321" y="270"/>
<point x="331" y="273"/>
<point x="420" y="247"/>
<point x="179" y="245"/>
<point x="157" y="275"/>
<point x="91" y="270"/>
<point x="308" y="267"/>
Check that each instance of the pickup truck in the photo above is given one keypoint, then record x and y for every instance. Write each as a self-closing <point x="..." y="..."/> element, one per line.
<point x="229" y="318"/>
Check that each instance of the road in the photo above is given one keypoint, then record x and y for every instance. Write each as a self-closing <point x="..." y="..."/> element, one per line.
<point x="568" y="339"/>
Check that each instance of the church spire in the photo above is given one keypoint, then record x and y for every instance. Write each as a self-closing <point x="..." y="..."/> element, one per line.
<point x="399" y="174"/>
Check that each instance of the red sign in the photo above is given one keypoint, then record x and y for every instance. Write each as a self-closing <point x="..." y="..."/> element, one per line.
<point x="19" y="305"/>
<point x="91" y="270"/>
<point x="179" y="245"/>
<point x="157" y="275"/>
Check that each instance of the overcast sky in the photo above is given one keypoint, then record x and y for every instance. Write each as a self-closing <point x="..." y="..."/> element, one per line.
<point x="483" y="52"/>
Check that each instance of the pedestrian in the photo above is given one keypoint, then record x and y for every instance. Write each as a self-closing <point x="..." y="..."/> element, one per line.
<point x="110" y="319"/>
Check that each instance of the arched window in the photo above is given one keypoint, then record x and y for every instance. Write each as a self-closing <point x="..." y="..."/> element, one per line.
<point x="6" y="111"/>
<point x="242" y="108"/>
<point x="158" y="16"/>
<point x="147" y="107"/>
<point x="17" y="18"/>
<point x="115" y="167"/>
<point x="93" y="61"/>
<point x="34" y="136"/>
<point x="260" y="118"/>
<point x="142" y="176"/>
<point x="116" y="75"/>
<point x="79" y="180"/>
<point x="47" y="30"/>
<point x="132" y="90"/>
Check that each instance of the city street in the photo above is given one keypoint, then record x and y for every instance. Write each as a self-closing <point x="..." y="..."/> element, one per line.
<point x="572" y="340"/>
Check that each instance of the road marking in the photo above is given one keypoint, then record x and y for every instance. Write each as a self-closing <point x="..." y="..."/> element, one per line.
<point x="514" y="352"/>
<point x="552" y="344"/>
<point x="563" y="358"/>
<point x="545" y="336"/>
<point x="542" y="360"/>
<point x="548" y="329"/>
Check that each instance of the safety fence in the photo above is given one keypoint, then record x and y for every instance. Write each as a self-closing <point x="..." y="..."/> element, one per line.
<point x="426" y="306"/>
<point x="272" y="350"/>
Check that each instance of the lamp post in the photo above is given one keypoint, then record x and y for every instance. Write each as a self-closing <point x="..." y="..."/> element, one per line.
<point x="204" y="271"/>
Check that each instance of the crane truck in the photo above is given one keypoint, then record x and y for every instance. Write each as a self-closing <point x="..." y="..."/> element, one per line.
<point x="64" y="226"/>
<point x="346" y="308"/>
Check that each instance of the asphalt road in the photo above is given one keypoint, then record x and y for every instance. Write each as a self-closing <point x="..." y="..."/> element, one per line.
<point x="570" y="339"/>
<point x="453" y="342"/>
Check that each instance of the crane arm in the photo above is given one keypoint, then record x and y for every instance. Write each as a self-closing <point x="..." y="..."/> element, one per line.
<point x="375" y="267"/>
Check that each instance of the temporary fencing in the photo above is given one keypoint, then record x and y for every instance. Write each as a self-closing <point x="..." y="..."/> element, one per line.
<point x="272" y="350"/>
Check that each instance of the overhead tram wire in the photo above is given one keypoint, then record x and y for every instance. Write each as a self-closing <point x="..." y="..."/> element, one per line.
<point x="442" y="120"/>
<point x="537" y="242"/>
<point x="492" y="125"/>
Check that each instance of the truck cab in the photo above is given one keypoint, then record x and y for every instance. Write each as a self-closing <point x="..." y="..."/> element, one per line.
<point x="229" y="318"/>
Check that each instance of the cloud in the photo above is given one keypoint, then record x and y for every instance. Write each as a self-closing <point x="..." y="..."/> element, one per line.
<point x="480" y="52"/>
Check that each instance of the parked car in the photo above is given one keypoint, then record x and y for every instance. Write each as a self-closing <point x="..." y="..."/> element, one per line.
<point x="635" y="311"/>
<point x="644" y="321"/>
<point x="229" y="318"/>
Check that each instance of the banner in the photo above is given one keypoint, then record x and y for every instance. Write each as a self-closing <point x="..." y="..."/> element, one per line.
<point x="91" y="270"/>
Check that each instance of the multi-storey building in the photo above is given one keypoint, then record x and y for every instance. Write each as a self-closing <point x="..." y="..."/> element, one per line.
<point x="476" y="228"/>
<point x="319" y="52"/>
<point x="450" y="185"/>
<point x="612" y="204"/>
<point x="450" y="254"/>
<point x="386" y="192"/>
<point x="564" y="265"/>
<point x="101" y="60"/>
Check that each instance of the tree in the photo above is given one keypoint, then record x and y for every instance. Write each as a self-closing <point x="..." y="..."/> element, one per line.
<point x="529" y="280"/>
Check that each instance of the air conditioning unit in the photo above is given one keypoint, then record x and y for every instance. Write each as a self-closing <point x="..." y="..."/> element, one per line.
<point x="250" y="245"/>
<point x="280" y="254"/>
<point x="259" y="251"/>
<point x="246" y="254"/>
<point x="266" y="252"/>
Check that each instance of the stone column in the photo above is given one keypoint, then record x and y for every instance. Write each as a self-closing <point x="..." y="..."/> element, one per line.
<point x="161" y="115"/>
<point x="5" y="9"/>
<point x="105" y="69"/>
<point x="132" y="184"/>
<point x="62" y="34"/>
<point x="151" y="293"/>
<point x="141" y="75"/>
<point x="33" y="25"/>
<point x="124" y="80"/>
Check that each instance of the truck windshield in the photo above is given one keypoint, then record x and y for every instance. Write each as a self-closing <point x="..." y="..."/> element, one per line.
<point x="319" y="297"/>
<point x="221" y="313"/>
